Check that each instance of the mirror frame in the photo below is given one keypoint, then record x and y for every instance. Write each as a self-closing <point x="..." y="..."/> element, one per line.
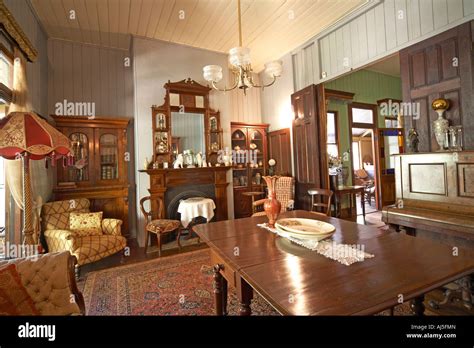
<point x="187" y="90"/>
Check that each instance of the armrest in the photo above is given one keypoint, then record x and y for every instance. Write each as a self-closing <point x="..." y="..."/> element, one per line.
<point x="60" y="240"/>
<point x="112" y="227"/>
<point x="259" y="202"/>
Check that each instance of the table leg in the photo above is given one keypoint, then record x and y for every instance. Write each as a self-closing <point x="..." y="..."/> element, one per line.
<point x="362" y="202"/>
<point x="245" y="295"/>
<point x="218" y="290"/>
<point x="417" y="305"/>
<point x="224" y="296"/>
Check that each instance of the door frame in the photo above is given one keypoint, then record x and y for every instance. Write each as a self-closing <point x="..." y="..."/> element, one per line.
<point x="374" y="127"/>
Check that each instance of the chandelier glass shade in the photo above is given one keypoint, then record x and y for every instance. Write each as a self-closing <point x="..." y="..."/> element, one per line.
<point x="241" y="68"/>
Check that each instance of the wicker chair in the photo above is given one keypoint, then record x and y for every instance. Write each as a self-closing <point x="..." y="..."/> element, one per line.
<point x="285" y="194"/>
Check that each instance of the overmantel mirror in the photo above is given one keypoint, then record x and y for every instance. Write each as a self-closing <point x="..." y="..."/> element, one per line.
<point x="185" y="124"/>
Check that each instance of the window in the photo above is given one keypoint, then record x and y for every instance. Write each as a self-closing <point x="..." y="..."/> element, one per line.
<point x="6" y="75"/>
<point x="6" y="82"/>
<point x="356" y="155"/>
<point x="3" y="193"/>
<point x="332" y="138"/>
<point x="362" y="116"/>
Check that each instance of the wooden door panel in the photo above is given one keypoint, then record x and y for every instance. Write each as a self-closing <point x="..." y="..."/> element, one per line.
<point x="440" y="67"/>
<point x="448" y="50"/>
<point x="280" y="150"/>
<point x="309" y="142"/>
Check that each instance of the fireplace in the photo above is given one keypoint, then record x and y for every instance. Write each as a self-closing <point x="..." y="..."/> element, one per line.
<point x="171" y="185"/>
<point x="175" y="194"/>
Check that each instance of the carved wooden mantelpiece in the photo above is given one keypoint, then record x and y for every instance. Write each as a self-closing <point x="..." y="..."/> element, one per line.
<point x="162" y="179"/>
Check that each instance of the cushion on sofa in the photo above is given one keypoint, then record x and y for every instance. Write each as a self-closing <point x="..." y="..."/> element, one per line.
<point x="82" y="221"/>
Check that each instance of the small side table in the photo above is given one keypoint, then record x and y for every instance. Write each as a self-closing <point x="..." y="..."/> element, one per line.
<point x="194" y="207"/>
<point x="352" y="191"/>
<point x="253" y="194"/>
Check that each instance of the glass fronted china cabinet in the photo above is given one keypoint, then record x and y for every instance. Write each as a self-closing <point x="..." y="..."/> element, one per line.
<point x="250" y="162"/>
<point x="99" y="172"/>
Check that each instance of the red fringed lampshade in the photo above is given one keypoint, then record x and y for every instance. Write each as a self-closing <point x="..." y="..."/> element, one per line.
<point x="25" y="133"/>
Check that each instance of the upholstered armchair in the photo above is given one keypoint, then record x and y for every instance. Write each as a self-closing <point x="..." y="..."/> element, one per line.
<point x="49" y="283"/>
<point x="86" y="245"/>
<point x="285" y="194"/>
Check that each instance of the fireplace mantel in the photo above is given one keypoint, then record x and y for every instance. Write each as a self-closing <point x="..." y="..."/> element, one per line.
<point x="162" y="179"/>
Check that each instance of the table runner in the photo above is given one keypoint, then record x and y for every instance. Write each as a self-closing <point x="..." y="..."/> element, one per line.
<point x="343" y="253"/>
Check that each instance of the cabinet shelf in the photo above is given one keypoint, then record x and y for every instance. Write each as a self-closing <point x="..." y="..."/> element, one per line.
<point x="242" y="202"/>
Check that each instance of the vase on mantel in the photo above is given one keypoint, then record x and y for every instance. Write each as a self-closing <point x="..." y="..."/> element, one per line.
<point x="272" y="206"/>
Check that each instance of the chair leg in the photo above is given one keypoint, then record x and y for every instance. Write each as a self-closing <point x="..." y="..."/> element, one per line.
<point x="147" y="240"/>
<point x="158" y="239"/>
<point x="178" y="237"/>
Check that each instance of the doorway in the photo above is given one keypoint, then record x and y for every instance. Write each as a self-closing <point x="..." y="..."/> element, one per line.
<point x="363" y="127"/>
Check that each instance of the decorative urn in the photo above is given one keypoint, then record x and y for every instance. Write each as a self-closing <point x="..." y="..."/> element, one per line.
<point x="441" y="125"/>
<point x="272" y="206"/>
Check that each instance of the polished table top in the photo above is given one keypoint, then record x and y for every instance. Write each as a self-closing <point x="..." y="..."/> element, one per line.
<point x="298" y="281"/>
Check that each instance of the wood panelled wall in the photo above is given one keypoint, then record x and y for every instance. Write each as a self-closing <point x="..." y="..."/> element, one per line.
<point x="440" y="67"/>
<point x="37" y="72"/>
<point x="86" y="73"/>
<point x="372" y="33"/>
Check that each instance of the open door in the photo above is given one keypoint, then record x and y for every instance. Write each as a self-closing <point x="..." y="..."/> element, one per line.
<point x="390" y="142"/>
<point x="309" y="143"/>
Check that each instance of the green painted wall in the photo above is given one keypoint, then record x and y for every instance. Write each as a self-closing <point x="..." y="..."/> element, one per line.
<point x="368" y="86"/>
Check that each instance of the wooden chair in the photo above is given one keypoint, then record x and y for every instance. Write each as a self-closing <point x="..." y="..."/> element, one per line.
<point x="159" y="227"/>
<point x="325" y="206"/>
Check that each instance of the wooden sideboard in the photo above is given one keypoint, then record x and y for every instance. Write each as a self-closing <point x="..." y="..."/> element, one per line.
<point x="435" y="197"/>
<point x="162" y="180"/>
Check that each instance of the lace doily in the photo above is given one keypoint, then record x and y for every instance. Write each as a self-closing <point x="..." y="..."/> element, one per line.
<point x="343" y="253"/>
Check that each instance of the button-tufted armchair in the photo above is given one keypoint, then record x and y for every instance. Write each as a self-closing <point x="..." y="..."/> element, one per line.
<point x="86" y="248"/>
<point x="49" y="281"/>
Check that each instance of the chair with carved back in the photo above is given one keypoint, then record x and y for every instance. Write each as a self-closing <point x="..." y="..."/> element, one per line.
<point x="285" y="194"/>
<point x="159" y="227"/>
<point x="324" y="206"/>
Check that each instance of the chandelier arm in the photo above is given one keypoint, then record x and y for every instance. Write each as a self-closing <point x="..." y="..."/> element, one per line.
<point x="264" y="86"/>
<point x="225" y="88"/>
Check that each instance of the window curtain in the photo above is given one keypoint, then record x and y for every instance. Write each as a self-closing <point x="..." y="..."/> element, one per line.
<point x="41" y="177"/>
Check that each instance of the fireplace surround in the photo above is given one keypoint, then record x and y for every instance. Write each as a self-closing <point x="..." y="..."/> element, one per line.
<point x="171" y="185"/>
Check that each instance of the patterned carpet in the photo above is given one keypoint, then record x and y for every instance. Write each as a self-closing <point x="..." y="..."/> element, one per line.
<point x="174" y="285"/>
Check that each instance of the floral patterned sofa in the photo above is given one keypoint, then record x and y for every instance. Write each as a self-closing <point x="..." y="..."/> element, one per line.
<point x="86" y="247"/>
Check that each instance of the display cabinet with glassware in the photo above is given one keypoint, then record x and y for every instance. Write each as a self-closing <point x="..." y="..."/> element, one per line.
<point x="99" y="171"/>
<point x="250" y="162"/>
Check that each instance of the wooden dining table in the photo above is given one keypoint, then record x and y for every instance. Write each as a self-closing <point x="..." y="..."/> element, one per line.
<point x="297" y="281"/>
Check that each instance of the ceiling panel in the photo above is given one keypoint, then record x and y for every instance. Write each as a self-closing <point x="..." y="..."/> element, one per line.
<point x="271" y="28"/>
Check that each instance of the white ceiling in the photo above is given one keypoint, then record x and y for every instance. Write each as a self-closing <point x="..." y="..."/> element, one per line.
<point x="389" y="66"/>
<point x="271" y="28"/>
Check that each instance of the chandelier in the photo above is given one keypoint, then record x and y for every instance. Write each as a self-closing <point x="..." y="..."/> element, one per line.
<point x="239" y="59"/>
